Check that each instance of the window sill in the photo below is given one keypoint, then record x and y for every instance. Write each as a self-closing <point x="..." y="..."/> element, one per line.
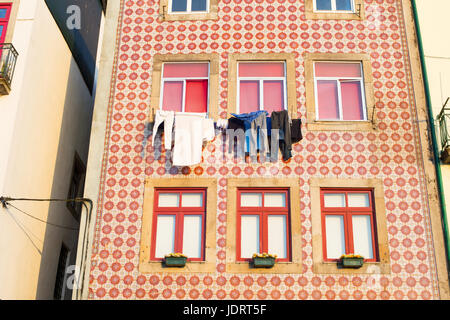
<point x="190" y="16"/>
<point x="367" y="268"/>
<point x="191" y="266"/>
<point x="333" y="15"/>
<point x="340" y="126"/>
<point x="279" y="268"/>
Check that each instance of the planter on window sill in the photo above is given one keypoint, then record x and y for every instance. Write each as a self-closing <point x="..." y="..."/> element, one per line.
<point x="351" y="261"/>
<point x="175" y="260"/>
<point x="263" y="260"/>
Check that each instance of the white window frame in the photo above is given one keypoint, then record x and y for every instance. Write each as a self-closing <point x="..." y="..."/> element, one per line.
<point x="261" y="84"/>
<point x="183" y="103"/>
<point x="188" y="8"/>
<point x="333" y="7"/>
<point x="340" y="80"/>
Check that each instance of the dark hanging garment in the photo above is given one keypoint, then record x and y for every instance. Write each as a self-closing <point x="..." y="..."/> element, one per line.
<point x="236" y="130"/>
<point x="280" y="120"/>
<point x="296" y="130"/>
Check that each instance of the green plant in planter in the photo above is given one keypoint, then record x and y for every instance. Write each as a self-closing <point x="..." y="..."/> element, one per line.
<point x="175" y="260"/>
<point x="351" y="261"/>
<point x="263" y="260"/>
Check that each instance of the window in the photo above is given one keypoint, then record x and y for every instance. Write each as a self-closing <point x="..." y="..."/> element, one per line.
<point x="339" y="89"/>
<point x="76" y="187"/>
<point x="179" y="221"/>
<point x="262" y="219"/>
<point x="261" y="86"/>
<point x="263" y="223"/>
<point x="339" y="92"/>
<point x="185" y="83"/>
<point x="63" y="261"/>
<point x="179" y="215"/>
<point x="5" y="12"/>
<point x="334" y="5"/>
<point x="185" y="87"/>
<point x="261" y="81"/>
<point x="349" y="216"/>
<point x="188" y="6"/>
<point x="348" y="220"/>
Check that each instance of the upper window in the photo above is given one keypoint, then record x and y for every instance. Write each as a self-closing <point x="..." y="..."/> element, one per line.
<point x="339" y="91"/>
<point x="261" y="86"/>
<point x="188" y="6"/>
<point x="185" y="87"/>
<point x="348" y="223"/>
<point x="179" y="223"/>
<point x="263" y="223"/>
<point x="5" y="12"/>
<point x="334" y="5"/>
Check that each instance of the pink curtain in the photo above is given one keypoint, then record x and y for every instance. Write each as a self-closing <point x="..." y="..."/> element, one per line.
<point x="336" y="69"/>
<point x="352" y="106"/>
<point x="196" y="96"/>
<point x="248" y="96"/>
<point x="173" y="95"/>
<point x="184" y="70"/>
<point x="273" y="96"/>
<point x="264" y="69"/>
<point x="328" y="100"/>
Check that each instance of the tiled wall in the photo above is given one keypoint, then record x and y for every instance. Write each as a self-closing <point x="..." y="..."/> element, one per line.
<point x="391" y="152"/>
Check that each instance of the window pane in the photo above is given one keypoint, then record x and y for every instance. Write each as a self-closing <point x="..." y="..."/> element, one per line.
<point x="173" y="95"/>
<point x="277" y="235"/>
<point x="198" y="5"/>
<point x="192" y="200"/>
<point x="192" y="236"/>
<point x="362" y="236"/>
<point x="352" y="105"/>
<point x="248" y="96"/>
<point x="358" y="200"/>
<point x="249" y="235"/>
<point x="3" y="13"/>
<point x="263" y="69"/>
<point x="196" y="96"/>
<point x="185" y="70"/>
<point x="275" y="200"/>
<point x="323" y="4"/>
<point x="251" y="200"/>
<point x="165" y="235"/>
<point x="327" y="98"/>
<point x="334" y="200"/>
<point x="179" y="5"/>
<point x="336" y="69"/>
<point x="335" y="236"/>
<point x="273" y="95"/>
<point x="344" y="5"/>
<point x="168" y="200"/>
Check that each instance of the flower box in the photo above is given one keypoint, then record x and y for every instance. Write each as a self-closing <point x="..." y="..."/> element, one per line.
<point x="351" y="262"/>
<point x="263" y="260"/>
<point x="175" y="261"/>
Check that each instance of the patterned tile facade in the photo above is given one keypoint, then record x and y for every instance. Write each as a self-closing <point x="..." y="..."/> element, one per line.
<point x="392" y="152"/>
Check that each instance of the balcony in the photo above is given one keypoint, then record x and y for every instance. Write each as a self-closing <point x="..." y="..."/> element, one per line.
<point x="7" y="66"/>
<point x="444" y="131"/>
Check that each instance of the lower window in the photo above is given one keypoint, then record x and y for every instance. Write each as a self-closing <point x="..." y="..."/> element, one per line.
<point x="263" y="223"/>
<point x="348" y="223"/>
<point x="179" y="223"/>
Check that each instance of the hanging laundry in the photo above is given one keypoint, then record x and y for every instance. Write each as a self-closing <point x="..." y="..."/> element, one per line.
<point x="281" y="121"/>
<point x="191" y="130"/>
<point x="296" y="130"/>
<point x="236" y="128"/>
<point x="168" y="118"/>
<point x="222" y="124"/>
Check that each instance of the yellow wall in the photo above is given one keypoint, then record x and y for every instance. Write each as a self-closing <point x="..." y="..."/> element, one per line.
<point x="44" y="120"/>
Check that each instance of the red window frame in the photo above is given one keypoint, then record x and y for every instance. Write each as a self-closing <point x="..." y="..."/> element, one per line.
<point x="347" y="213"/>
<point x="263" y="214"/>
<point x="179" y="213"/>
<point x="4" y="21"/>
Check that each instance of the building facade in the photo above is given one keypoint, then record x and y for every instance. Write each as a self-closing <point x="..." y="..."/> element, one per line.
<point x="46" y="105"/>
<point x="360" y="181"/>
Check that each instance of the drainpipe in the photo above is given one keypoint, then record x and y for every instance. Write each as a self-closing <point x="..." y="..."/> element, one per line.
<point x="433" y="134"/>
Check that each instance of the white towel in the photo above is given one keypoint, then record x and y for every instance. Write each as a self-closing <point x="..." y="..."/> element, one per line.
<point x="167" y="117"/>
<point x="190" y="132"/>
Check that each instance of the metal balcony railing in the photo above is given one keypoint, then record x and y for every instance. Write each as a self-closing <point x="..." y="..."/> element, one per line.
<point x="444" y="131"/>
<point x="7" y="66"/>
